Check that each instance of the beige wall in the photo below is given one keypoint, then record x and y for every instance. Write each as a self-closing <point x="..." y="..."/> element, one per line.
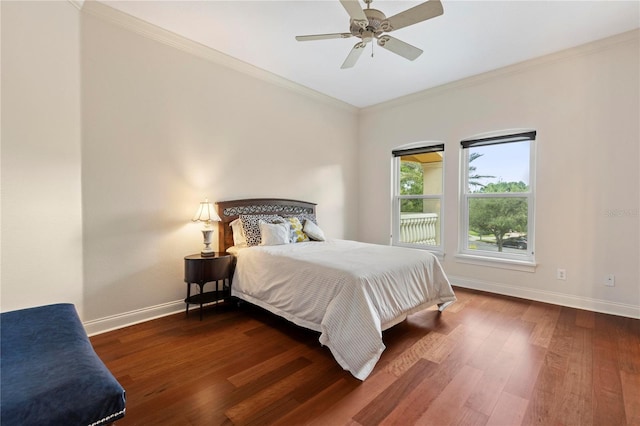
<point x="41" y="260"/>
<point x="116" y="137"/>
<point x="163" y="129"/>
<point x="584" y="105"/>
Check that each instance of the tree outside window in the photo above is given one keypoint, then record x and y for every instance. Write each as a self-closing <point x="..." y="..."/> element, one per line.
<point x="417" y="207"/>
<point x="498" y="196"/>
<point x="411" y="183"/>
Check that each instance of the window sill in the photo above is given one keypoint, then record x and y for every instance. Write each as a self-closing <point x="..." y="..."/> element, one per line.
<point x="437" y="253"/>
<point x="494" y="262"/>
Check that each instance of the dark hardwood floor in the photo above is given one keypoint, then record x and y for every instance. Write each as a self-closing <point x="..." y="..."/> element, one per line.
<point x="487" y="360"/>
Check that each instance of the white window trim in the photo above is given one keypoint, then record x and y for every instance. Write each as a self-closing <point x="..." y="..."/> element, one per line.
<point x="438" y="250"/>
<point x="493" y="262"/>
<point x="517" y="262"/>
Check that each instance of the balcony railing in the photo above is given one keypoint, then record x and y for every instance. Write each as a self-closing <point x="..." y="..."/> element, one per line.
<point x="419" y="228"/>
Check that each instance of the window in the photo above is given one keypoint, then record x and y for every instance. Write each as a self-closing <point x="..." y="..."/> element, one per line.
<point x="417" y="196"/>
<point x="497" y="197"/>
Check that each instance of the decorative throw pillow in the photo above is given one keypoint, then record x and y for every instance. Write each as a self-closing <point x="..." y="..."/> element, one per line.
<point x="239" y="238"/>
<point x="297" y="235"/>
<point x="313" y="231"/>
<point x="273" y="234"/>
<point x="308" y="216"/>
<point x="250" y="224"/>
<point x="302" y="217"/>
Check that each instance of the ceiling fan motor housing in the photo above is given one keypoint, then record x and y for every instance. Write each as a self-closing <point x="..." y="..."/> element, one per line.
<point x="377" y="23"/>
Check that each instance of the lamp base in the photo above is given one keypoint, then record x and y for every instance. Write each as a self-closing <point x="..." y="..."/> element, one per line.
<point x="207" y="251"/>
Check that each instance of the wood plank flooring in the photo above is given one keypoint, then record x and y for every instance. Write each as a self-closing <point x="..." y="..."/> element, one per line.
<point x="487" y="360"/>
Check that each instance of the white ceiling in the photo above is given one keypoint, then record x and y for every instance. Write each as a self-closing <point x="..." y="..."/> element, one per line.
<point x="470" y="38"/>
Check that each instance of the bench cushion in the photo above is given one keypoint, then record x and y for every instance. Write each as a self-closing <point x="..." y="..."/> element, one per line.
<point x="49" y="372"/>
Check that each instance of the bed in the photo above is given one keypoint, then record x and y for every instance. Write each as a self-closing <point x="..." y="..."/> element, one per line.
<point x="50" y="374"/>
<point x="347" y="291"/>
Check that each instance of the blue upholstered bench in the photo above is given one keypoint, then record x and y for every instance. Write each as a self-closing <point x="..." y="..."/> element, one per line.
<point x="50" y="374"/>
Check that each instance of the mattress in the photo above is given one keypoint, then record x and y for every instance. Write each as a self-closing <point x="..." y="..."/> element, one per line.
<point x="347" y="291"/>
<point x="50" y="374"/>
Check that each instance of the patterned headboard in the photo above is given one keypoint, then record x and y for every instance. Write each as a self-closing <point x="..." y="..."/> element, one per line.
<point x="230" y="210"/>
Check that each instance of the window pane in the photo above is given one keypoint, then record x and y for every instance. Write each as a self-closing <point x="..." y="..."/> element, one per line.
<point x="499" y="168"/>
<point x="420" y="226"/>
<point x="421" y="174"/>
<point x="498" y="224"/>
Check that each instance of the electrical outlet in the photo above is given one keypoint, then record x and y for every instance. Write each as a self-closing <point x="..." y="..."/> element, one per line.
<point x="610" y="280"/>
<point x="561" y="274"/>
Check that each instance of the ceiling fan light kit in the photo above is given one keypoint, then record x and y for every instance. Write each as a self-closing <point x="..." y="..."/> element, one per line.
<point x="367" y="24"/>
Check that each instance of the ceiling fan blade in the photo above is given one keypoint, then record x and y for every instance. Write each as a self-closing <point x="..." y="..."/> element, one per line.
<point x="356" y="13"/>
<point x="399" y="47"/>
<point x="353" y="56"/>
<point x="322" y="36"/>
<point x="419" y="13"/>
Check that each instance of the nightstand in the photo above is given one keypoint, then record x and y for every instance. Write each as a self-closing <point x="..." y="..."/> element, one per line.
<point x="201" y="270"/>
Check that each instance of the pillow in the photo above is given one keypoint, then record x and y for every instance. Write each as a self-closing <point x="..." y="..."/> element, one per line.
<point x="239" y="239"/>
<point x="274" y="234"/>
<point x="251" y="227"/>
<point x="308" y="216"/>
<point x="313" y="231"/>
<point x="297" y="235"/>
<point x="234" y="250"/>
<point x="302" y="217"/>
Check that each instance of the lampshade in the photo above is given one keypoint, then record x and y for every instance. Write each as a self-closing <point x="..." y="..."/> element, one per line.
<point x="206" y="213"/>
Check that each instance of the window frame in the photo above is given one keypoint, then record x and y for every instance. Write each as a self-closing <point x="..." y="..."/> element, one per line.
<point x="525" y="261"/>
<point x="396" y="197"/>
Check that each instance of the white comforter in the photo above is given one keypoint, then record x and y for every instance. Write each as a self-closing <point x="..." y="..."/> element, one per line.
<point x="346" y="290"/>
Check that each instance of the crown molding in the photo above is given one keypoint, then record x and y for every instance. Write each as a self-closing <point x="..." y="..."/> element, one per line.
<point x="138" y="26"/>
<point x="76" y="3"/>
<point x="582" y="50"/>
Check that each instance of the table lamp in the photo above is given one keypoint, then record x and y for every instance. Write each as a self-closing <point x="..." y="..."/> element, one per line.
<point x="206" y="214"/>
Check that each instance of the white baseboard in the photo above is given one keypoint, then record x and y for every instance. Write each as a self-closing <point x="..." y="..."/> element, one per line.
<point x="596" y="305"/>
<point x="102" y="325"/>
<point x="125" y="319"/>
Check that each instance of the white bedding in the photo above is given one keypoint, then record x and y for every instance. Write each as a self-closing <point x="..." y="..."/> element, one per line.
<point x="346" y="290"/>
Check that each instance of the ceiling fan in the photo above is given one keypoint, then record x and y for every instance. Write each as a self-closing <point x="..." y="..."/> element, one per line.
<point x="367" y="24"/>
